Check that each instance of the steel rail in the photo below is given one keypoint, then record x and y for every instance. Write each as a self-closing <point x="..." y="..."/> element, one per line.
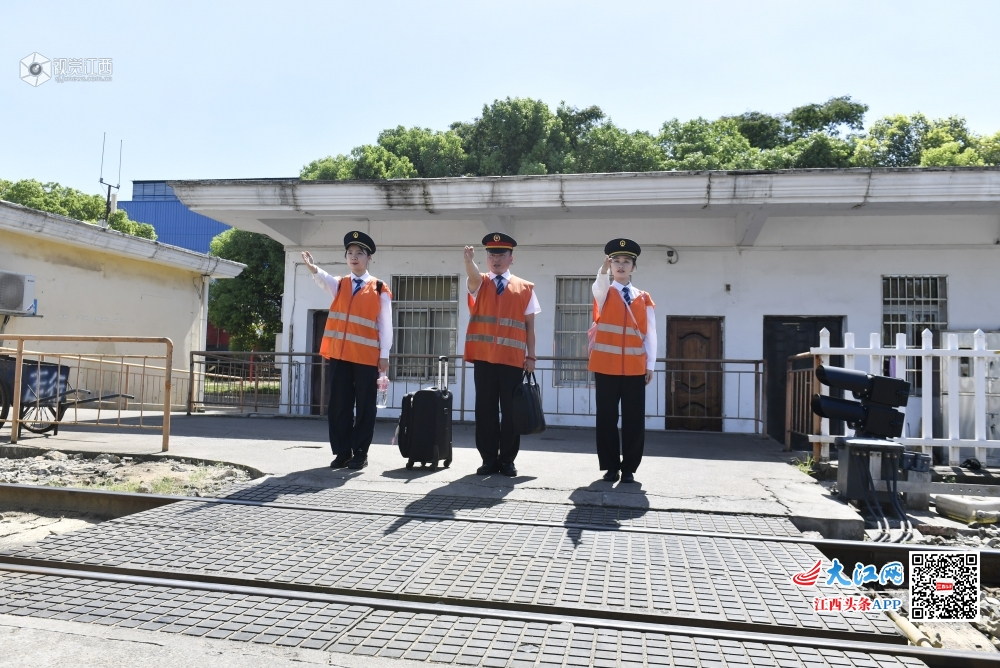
<point x="456" y="606"/>
<point x="848" y="551"/>
<point x="934" y="658"/>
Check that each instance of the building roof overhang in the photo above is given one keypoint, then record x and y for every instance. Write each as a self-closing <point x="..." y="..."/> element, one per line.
<point x="277" y="207"/>
<point x="60" y="229"/>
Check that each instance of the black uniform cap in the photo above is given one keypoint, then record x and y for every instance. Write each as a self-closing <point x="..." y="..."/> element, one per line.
<point x="622" y="247"/>
<point x="359" y="239"/>
<point x="498" y="242"/>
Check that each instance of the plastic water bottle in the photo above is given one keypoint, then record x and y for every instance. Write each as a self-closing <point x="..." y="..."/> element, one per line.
<point x="382" y="398"/>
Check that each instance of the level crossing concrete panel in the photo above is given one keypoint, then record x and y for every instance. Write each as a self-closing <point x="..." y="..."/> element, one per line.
<point x="365" y="631"/>
<point x="733" y="580"/>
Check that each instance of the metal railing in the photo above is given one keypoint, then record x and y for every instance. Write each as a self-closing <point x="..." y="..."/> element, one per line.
<point x="40" y="390"/>
<point x="719" y="395"/>
<point x="801" y="384"/>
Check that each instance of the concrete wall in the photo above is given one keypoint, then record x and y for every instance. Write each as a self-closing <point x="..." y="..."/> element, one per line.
<point x="799" y="266"/>
<point x="816" y="265"/>
<point x="89" y="292"/>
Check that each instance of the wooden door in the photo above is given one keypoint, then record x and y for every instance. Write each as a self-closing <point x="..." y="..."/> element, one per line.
<point x="694" y="389"/>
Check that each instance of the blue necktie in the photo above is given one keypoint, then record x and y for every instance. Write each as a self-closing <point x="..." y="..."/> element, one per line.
<point x="627" y="295"/>
<point x="357" y="285"/>
<point x="500" y="285"/>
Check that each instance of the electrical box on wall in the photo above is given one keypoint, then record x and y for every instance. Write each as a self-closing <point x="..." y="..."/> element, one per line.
<point x="17" y="293"/>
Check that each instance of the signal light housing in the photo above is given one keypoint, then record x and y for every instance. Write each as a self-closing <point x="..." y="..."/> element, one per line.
<point x="874" y="415"/>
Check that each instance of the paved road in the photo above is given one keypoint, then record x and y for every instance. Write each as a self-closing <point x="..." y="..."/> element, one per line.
<point x="706" y="472"/>
<point x="502" y="565"/>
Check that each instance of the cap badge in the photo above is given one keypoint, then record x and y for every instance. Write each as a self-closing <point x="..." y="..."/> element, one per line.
<point x="620" y="243"/>
<point x="496" y="237"/>
<point x="356" y="236"/>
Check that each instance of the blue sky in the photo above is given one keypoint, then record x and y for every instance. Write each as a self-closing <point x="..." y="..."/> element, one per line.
<point x="252" y="89"/>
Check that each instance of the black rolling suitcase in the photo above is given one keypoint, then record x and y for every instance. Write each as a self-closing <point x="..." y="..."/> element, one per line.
<point x="424" y="430"/>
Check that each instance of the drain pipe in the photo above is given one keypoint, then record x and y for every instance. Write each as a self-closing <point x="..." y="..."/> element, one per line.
<point x="912" y="633"/>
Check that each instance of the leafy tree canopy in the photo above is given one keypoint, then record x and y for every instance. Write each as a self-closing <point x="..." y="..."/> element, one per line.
<point x="248" y="306"/>
<point x="54" y="198"/>
<point x="524" y="136"/>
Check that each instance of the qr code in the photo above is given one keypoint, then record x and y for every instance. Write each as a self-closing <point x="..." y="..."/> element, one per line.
<point x="944" y="586"/>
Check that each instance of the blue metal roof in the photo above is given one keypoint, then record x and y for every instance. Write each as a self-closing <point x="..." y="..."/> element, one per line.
<point x="154" y="202"/>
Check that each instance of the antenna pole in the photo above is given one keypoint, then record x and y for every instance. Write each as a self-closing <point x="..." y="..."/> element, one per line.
<point x="103" y="142"/>
<point x="107" y="202"/>
<point x="120" y="145"/>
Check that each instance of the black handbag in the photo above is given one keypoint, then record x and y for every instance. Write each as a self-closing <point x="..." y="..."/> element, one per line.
<point x="527" y="409"/>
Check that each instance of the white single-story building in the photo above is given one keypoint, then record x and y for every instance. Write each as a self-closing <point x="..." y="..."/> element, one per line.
<point x="93" y="281"/>
<point x="741" y="265"/>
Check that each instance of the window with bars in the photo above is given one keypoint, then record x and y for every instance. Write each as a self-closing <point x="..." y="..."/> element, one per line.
<point x="911" y="304"/>
<point x="574" y="315"/>
<point x="425" y="325"/>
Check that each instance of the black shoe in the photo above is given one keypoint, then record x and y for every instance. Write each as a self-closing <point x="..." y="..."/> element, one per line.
<point x="507" y="469"/>
<point x="487" y="469"/>
<point x="340" y="462"/>
<point x="628" y="477"/>
<point x="611" y="475"/>
<point x="358" y="462"/>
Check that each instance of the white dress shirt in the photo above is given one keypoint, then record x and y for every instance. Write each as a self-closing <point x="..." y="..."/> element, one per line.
<point x="533" y="306"/>
<point x="332" y="286"/>
<point x="601" y="288"/>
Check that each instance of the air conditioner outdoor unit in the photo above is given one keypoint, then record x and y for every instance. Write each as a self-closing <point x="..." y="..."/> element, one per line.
<point x="17" y="292"/>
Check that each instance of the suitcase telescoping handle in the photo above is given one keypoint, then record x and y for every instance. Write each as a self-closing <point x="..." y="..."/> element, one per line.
<point x="443" y="372"/>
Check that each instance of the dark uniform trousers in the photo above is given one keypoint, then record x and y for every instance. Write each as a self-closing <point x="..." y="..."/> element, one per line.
<point x="630" y="391"/>
<point x="351" y="413"/>
<point x="496" y="439"/>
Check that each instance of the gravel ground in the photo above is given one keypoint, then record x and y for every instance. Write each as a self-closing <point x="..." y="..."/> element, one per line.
<point x="121" y="474"/>
<point x="18" y="527"/>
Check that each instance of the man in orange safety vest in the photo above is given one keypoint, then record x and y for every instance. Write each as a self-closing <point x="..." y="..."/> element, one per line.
<point x="500" y="342"/>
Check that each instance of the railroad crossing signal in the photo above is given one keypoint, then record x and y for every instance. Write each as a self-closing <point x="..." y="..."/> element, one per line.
<point x="874" y="414"/>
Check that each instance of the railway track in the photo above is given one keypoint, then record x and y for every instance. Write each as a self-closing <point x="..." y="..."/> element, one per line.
<point x="165" y="594"/>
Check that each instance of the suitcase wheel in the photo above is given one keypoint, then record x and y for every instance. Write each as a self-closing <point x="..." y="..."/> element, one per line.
<point x="434" y="464"/>
<point x="409" y="464"/>
<point x="447" y="463"/>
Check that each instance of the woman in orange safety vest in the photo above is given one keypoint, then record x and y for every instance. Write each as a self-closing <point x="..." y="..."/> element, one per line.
<point x="356" y="341"/>
<point x="622" y="358"/>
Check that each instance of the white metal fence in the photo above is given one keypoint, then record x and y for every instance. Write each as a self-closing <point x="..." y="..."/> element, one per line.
<point x="715" y="395"/>
<point x="919" y="432"/>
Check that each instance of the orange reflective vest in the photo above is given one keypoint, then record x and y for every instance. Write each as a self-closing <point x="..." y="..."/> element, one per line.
<point x="618" y="347"/>
<point x="497" y="332"/>
<point x="352" y="326"/>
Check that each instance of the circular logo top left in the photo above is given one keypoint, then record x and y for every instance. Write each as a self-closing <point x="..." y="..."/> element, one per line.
<point x="36" y="69"/>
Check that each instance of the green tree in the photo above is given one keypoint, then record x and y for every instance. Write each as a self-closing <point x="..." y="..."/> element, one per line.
<point x="432" y="154"/>
<point x="893" y="141"/>
<point x="608" y="148"/>
<point x="828" y="117"/>
<point x="514" y="136"/>
<point x="524" y="136"/>
<point x="989" y="149"/>
<point x="329" y="168"/>
<point x="812" y="151"/>
<point x="700" y="144"/>
<point x="763" y="131"/>
<point x="376" y="162"/>
<point x="248" y="306"/>
<point x="54" y="198"/>
<point x="119" y="220"/>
